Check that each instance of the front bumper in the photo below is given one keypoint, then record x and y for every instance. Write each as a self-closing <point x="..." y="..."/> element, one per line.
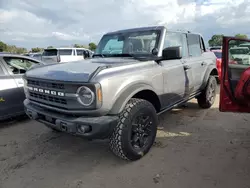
<point x="95" y="127"/>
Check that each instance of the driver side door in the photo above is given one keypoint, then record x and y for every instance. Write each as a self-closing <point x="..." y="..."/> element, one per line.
<point x="235" y="85"/>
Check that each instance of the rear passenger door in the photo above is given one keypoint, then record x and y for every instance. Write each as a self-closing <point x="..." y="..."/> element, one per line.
<point x="195" y="62"/>
<point x="9" y="92"/>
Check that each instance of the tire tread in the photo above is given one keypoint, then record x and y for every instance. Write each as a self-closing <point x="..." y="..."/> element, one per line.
<point x="115" y="143"/>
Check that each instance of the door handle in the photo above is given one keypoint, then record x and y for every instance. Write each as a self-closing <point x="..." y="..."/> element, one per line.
<point x="203" y="63"/>
<point x="186" y="67"/>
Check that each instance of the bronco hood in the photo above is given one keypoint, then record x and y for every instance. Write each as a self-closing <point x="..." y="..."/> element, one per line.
<point x="78" y="71"/>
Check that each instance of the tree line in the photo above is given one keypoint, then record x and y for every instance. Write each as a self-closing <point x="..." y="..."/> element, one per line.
<point x="216" y="40"/>
<point x="20" y="50"/>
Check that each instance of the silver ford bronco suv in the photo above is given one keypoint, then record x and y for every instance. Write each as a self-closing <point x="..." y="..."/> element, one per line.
<point x="134" y="75"/>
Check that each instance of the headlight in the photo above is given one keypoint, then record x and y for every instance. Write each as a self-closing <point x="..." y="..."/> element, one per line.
<point x="85" y="96"/>
<point x="25" y="87"/>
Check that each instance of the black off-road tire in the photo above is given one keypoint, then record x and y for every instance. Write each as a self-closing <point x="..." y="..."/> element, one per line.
<point x="120" y="140"/>
<point x="207" y="97"/>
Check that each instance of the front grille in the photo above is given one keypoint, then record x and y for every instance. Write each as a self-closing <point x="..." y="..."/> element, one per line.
<point x="53" y="93"/>
<point x="48" y="98"/>
<point x="45" y="84"/>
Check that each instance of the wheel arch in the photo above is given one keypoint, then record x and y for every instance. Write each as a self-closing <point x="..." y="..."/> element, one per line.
<point x="211" y="71"/>
<point x="142" y="91"/>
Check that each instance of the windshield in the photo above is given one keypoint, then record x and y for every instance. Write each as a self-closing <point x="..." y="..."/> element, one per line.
<point x="133" y="43"/>
<point x="239" y="51"/>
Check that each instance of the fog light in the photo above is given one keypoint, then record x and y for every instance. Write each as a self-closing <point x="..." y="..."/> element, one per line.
<point x="84" y="129"/>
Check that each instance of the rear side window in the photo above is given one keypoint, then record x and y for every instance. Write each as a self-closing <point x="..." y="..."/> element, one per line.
<point x="176" y="39"/>
<point x="65" y="52"/>
<point x="194" y="46"/>
<point x="51" y="52"/>
<point x="79" y="52"/>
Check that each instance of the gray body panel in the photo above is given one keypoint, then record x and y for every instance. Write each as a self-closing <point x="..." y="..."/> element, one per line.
<point x="122" y="78"/>
<point x="77" y="71"/>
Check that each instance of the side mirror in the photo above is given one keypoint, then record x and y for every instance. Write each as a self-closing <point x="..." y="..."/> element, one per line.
<point x="174" y="52"/>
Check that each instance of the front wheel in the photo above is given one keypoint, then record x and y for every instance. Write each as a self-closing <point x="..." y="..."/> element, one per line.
<point x="207" y="97"/>
<point x="136" y="130"/>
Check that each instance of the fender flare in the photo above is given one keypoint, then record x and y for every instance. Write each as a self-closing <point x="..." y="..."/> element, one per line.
<point x="211" y="69"/>
<point x="126" y="94"/>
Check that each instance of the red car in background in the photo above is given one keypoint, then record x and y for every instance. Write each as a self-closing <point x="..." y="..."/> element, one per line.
<point x="218" y="54"/>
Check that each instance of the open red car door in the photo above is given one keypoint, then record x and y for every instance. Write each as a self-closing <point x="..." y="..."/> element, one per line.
<point x="235" y="80"/>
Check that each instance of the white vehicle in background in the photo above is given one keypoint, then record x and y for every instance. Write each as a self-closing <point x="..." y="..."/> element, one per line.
<point x="240" y="54"/>
<point x="245" y="45"/>
<point x="62" y="55"/>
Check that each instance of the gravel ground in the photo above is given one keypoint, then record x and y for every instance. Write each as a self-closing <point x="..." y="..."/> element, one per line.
<point x="194" y="149"/>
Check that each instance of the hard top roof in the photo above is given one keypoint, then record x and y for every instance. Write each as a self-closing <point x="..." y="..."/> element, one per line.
<point x="149" y="28"/>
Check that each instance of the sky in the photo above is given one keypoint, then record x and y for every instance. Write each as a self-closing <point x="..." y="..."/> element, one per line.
<point x="41" y="23"/>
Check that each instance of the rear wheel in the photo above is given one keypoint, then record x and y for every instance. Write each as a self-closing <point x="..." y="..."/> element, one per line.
<point x="135" y="132"/>
<point x="207" y="97"/>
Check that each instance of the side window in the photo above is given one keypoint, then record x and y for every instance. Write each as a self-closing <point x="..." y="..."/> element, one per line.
<point x="176" y="39"/>
<point x="18" y="65"/>
<point x="194" y="46"/>
<point x="79" y="52"/>
<point x="65" y="51"/>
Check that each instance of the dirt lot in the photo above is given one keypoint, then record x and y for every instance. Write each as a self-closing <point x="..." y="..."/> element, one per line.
<point x="194" y="149"/>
